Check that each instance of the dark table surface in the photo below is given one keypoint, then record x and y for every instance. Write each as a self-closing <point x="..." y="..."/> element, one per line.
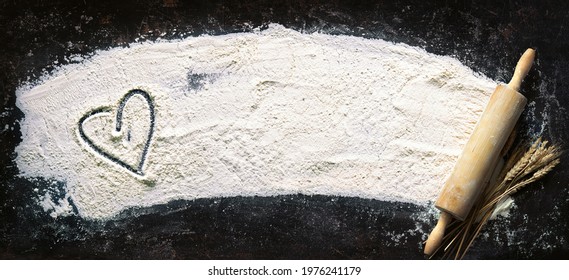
<point x="484" y="35"/>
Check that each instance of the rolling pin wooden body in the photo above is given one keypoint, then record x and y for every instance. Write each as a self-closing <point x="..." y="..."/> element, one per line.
<point x="481" y="153"/>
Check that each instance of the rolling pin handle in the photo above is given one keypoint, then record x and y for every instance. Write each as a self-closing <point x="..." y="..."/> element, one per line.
<point x="522" y="69"/>
<point x="436" y="237"/>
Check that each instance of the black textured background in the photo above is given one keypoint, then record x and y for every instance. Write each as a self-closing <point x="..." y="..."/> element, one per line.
<point x="489" y="37"/>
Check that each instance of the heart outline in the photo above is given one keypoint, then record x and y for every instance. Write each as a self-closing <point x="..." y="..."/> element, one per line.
<point x="118" y="126"/>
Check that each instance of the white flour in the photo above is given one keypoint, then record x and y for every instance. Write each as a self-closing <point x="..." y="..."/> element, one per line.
<point x="263" y="113"/>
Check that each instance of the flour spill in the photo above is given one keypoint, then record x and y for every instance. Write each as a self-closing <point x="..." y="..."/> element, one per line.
<point x="264" y="113"/>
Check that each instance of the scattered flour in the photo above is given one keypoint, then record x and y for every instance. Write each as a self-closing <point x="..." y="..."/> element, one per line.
<point x="264" y="113"/>
<point x="60" y="207"/>
<point x="503" y="208"/>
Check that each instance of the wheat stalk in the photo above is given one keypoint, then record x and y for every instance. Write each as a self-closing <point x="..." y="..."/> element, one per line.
<point x="522" y="163"/>
<point x="521" y="169"/>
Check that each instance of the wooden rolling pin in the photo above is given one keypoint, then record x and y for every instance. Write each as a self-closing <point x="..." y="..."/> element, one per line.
<point x="480" y="155"/>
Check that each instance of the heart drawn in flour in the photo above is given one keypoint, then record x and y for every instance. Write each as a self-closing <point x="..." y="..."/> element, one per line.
<point x="126" y="139"/>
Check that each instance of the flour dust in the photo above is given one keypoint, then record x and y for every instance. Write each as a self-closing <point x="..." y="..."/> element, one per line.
<point x="264" y="113"/>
